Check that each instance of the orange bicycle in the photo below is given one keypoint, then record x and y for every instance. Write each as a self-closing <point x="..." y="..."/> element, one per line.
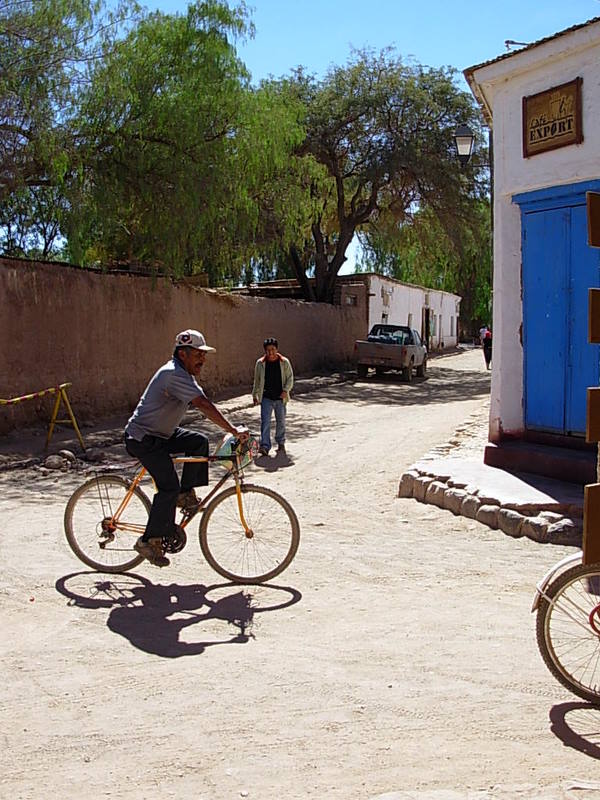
<point x="248" y="533"/>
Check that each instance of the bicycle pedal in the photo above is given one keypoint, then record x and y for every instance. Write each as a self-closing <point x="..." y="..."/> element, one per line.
<point x="107" y="538"/>
<point x="190" y="511"/>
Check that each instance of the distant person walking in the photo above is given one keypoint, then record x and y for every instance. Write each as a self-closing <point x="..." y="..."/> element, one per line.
<point x="273" y="381"/>
<point x="487" y="348"/>
<point x="482" y="332"/>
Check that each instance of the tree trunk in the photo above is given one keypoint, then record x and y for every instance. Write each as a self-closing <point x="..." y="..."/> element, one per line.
<point x="300" y="271"/>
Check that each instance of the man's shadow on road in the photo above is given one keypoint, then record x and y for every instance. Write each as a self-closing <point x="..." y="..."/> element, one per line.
<point x="153" y="616"/>
<point x="278" y="461"/>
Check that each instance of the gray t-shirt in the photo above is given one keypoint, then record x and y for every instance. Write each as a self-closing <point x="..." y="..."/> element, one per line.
<point x="164" y="402"/>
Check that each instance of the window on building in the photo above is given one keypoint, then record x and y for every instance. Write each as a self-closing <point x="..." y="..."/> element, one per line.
<point x="384" y="317"/>
<point x="451" y="326"/>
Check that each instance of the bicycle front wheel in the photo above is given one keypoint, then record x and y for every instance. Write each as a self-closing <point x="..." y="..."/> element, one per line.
<point x="256" y="555"/>
<point x="568" y="630"/>
<point x="99" y="538"/>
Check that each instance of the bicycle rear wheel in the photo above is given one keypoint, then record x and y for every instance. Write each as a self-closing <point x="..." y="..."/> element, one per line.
<point x="568" y="630"/>
<point x="92" y="532"/>
<point x="262" y="553"/>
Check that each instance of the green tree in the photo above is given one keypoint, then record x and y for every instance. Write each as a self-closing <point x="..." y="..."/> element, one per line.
<point x="46" y="48"/>
<point x="180" y="150"/>
<point x="452" y="254"/>
<point x="382" y="130"/>
<point x="30" y="223"/>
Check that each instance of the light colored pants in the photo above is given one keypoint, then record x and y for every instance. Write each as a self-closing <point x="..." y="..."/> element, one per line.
<point x="267" y="407"/>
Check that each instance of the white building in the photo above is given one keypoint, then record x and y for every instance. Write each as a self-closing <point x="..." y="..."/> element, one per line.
<point x="542" y="104"/>
<point x="433" y="313"/>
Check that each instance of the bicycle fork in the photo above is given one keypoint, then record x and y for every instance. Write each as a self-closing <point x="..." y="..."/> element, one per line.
<point x="238" y="490"/>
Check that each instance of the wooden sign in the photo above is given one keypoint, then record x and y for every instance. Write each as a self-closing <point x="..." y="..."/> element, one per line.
<point x="593" y="218"/>
<point x="552" y="118"/>
<point x="591" y="520"/>
<point x="592" y="428"/>
<point x="594" y="316"/>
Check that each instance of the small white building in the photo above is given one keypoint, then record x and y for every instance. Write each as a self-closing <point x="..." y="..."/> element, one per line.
<point x="431" y="312"/>
<point x="542" y="104"/>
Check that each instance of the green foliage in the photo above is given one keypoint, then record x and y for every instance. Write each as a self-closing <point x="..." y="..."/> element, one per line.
<point x="30" y="223"/>
<point x="180" y="150"/>
<point x="136" y="137"/>
<point x="46" y="47"/>
<point x="452" y="254"/>
<point x="383" y="131"/>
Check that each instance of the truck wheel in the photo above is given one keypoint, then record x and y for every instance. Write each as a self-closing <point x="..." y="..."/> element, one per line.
<point x="422" y="369"/>
<point x="407" y="373"/>
<point x="362" y="370"/>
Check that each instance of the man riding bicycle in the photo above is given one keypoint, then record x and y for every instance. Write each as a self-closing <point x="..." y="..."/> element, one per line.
<point x="153" y="435"/>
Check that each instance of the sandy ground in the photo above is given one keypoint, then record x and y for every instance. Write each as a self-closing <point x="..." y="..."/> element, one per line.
<point x="395" y="657"/>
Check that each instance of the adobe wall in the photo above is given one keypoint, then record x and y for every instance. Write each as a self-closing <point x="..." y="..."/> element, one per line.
<point x="108" y="333"/>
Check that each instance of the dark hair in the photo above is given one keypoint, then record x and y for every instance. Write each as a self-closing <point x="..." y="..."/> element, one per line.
<point x="181" y="347"/>
<point x="270" y="340"/>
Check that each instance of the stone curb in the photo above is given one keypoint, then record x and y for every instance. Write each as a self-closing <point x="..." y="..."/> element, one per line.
<point x="543" y="526"/>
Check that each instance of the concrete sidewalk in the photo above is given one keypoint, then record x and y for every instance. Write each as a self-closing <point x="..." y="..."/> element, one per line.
<point x="454" y="476"/>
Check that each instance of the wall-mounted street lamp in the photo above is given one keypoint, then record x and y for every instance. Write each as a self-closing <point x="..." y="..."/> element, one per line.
<point x="463" y="139"/>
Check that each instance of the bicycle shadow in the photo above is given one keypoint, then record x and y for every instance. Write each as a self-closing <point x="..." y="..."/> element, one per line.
<point x="582" y="731"/>
<point x="153" y="617"/>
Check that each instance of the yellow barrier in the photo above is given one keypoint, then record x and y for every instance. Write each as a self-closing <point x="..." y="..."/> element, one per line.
<point x="61" y="394"/>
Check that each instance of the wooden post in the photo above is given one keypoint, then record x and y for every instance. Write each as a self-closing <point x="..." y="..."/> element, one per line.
<point x="591" y="503"/>
<point x="61" y="394"/>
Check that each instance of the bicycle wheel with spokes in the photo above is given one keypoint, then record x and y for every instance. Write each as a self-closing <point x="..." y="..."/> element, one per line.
<point x="568" y="630"/>
<point x="96" y="536"/>
<point x="256" y="555"/>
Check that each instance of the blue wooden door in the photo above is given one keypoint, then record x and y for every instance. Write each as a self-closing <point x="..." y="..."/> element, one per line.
<point x="545" y="236"/>
<point x="558" y="269"/>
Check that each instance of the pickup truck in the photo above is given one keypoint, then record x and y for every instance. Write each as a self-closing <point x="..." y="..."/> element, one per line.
<point x="391" y="347"/>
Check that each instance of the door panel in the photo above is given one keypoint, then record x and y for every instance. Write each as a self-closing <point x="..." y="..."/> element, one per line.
<point x="583" y="357"/>
<point x="545" y="303"/>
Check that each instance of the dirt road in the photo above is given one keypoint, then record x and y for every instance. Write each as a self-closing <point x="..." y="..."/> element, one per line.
<point x="395" y="655"/>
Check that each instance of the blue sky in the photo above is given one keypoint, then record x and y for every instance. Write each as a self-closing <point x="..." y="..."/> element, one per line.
<point x="318" y="33"/>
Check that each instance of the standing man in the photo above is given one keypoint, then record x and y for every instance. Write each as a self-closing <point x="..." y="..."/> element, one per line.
<point x="153" y="435"/>
<point x="487" y="348"/>
<point x="273" y="381"/>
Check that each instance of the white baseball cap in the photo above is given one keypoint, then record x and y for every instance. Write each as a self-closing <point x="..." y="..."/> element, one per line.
<point x="192" y="338"/>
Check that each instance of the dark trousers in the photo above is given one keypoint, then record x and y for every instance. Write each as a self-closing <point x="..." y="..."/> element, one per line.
<point x="155" y="454"/>
<point x="487" y="354"/>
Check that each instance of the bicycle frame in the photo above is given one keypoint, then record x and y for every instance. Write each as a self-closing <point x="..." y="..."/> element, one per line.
<point x="235" y="472"/>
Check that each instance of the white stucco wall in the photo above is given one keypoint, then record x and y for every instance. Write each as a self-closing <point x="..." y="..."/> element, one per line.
<point x="500" y="87"/>
<point x="400" y="300"/>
